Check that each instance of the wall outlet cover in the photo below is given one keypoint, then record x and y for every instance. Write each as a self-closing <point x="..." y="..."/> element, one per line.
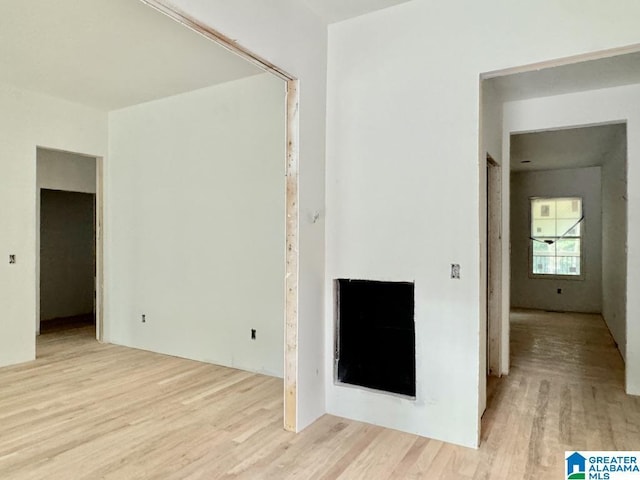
<point x="455" y="271"/>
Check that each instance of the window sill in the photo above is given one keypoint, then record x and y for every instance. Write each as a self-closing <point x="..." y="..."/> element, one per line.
<point x="543" y="276"/>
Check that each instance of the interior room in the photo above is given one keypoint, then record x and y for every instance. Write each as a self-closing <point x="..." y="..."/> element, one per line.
<point x="329" y="239"/>
<point x="154" y="140"/>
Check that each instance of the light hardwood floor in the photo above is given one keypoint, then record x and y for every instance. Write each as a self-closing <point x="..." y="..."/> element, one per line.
<point x="90" y="411"/>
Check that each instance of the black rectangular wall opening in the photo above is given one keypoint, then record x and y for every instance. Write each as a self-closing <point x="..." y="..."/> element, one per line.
<point x="375" y="335"/>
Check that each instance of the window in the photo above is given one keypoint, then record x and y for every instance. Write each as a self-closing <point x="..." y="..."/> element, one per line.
<point x="556" y="236"/>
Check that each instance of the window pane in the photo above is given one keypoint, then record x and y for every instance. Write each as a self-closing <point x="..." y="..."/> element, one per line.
<point x="544" y="228"/>
<point x="575" y="231"/>
<point x="565" y="228"/>
<point x="568" y="247"/>
<point x="543" y="249"/>
<point x="543" y="208"/>
<point x="568" y="208"/>
<point x="544" y="265"/>
<point x="568" y="265"/>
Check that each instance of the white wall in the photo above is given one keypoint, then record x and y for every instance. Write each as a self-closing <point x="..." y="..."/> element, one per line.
<point x="196" y="235"/>
<point x="590" y="108"/>
<point x="403" y="175"/>
<point x="29" y="120"/>
<point x="287" y="34"/>
<point x="492" y="121"/>
<point x="614" y="242"/>
<point x="578" y="295"/>
<point x="67" y="171"/>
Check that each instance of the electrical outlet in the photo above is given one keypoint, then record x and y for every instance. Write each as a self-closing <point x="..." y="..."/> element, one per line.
<point x="455" y="271"/>
<point x="559" y="290"/>
<point x="12" y="259"/>
<point x="253" y="334"/>
<point x="144" y="318"/>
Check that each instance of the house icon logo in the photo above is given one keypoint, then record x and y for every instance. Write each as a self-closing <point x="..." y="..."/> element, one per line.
<point x="576" y="467"/>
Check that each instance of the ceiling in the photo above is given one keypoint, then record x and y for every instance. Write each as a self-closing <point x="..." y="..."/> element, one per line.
<point x="107" y="54"/>
<point x="116" y="53"/>
<point x="565" y="148"/>
<point x="337" y="10"/>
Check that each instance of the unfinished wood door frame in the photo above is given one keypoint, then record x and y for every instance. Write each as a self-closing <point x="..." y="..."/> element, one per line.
<point x="291" y="209"/>
<point x="494" y="267"/>
<point x="99" y="229"/>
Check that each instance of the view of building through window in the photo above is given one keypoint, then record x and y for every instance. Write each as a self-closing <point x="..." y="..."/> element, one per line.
<point x="556" y="230"/>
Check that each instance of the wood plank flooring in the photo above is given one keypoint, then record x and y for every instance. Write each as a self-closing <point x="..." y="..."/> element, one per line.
<point x="89" y="411"/>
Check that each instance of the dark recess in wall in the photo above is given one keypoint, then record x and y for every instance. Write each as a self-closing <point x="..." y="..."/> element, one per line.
<point x="67" y="254"/>
<point x="376" y="335"/>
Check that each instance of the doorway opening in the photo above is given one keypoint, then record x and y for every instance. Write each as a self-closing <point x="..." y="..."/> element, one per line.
<point x="555" y="129"/>
<point x="568" y="234"/>
<point x="69" y="242"/>
<point x="67" y="259"/>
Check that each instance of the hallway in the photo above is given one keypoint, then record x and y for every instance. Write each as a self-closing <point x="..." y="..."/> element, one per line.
<point x="566" y="345"/>
<point x="565" y="391"/>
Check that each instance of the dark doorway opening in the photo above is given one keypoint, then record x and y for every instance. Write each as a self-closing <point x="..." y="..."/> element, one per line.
<point x="67" y="259"/>
<point x="375" y="337"/>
